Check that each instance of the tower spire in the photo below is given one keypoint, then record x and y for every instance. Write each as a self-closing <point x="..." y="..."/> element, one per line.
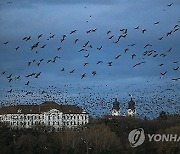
<point x="116" y="108"/>
<point x="130" y="96"/>
<point x="131" y="107"/>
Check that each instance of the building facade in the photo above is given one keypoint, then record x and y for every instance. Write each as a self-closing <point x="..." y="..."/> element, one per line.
<point x="46" y="114"/>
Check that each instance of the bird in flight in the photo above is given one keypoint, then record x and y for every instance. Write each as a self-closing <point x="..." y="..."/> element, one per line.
<point x="99" y="48"/>
<point x="131" y="45"/>
<point x="108" y="32"/>
<point x="139" y="64"/>
<point x="160" y="38"/>
<point x="62" y="69"/>
<point x="156" y="23"/>
<point x="40" y="36"/>
<point x="133" y="55"/>
<point x="5" y="43"/>
<point x="170" y="4"/>
<point x="76" y="40"/>
<point x="72" y="32"/>
<point x="38" y="74"/>
<point x="163" y="73"/>
<point x="94" y="30"/>
<point x="99" y="62"/>
<point x="93" y="73"/>
<point x="27" y="84"/>
<point x="125" y="50"/>
<point x="176" y="68"/>
<point x="111" y="37"/>
<point x="88" y="31"/>
<point x="28" y="38"/>
<point x="85" y="64"/>
<point x="34" y="46"/>
<point x="109" y="63"/>
<point x="117" y="56"/>
<point x="86" y="44"/>
<point x="72" y="71"/>
<point x="86" y="56"/>
<point x="176" y="79"/>
<point x="144" y="30"/>
<point x="58" y="48"/>
<point x="147" y="45"/>
<point x="136" y="27"/>
<point x="17" y="48"/>
<point x="9" y="91"/>
<point x="83" y="75"/>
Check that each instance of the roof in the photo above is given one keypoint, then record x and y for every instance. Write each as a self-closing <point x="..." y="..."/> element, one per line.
<point x="116" y="105"/>
<point x="44" y="107"/>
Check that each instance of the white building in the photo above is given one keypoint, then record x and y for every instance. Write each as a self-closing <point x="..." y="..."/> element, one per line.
<point x="46" y="114"/>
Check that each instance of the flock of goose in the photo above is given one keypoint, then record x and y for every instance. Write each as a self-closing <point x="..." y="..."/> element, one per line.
<point x="40" y="42"/>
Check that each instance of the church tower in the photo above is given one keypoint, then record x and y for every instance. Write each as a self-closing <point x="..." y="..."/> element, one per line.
<point x="131" y="108"/>
<point x="116" y="108"/>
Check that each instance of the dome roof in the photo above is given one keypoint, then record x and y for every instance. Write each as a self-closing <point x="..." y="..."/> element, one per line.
<point x="116" y="105"/>
<point x="131" y="104"/>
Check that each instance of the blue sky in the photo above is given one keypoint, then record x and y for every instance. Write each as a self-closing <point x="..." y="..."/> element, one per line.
<point x="32" y="18"/>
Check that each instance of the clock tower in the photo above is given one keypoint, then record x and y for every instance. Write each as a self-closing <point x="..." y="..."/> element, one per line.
<point x="131" y="108"/>
<point x="116" y="108"/>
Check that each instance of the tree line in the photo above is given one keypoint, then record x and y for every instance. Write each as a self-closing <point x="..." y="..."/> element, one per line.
<point x="102" y="136"/>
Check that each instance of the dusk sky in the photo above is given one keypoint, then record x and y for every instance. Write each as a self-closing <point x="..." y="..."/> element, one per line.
<point x="144" y="61"/>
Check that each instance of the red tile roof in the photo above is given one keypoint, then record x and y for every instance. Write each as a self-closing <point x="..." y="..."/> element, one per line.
<point x="36" y="109"/>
